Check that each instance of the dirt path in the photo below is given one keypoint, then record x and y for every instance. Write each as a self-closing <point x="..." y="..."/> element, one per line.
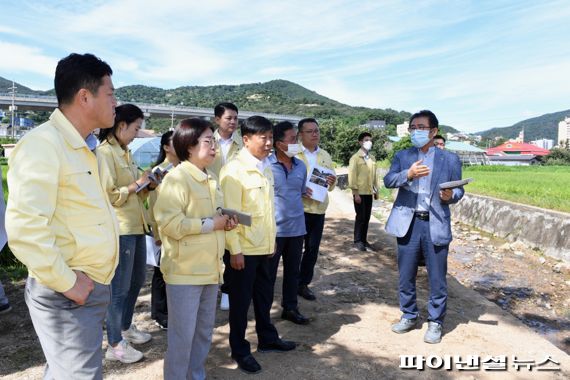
<point x="349" y="337"/>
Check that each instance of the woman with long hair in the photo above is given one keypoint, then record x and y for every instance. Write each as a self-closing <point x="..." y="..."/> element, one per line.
<point x="127" y="192"/>
<point x="193" y="241"/>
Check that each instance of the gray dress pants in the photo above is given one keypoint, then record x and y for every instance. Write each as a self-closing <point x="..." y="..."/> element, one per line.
<point x="70" y="335"/>
<point x="191" y="319"/>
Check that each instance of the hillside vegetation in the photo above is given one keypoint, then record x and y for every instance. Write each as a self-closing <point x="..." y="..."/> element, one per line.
<point x="545" y="126"/>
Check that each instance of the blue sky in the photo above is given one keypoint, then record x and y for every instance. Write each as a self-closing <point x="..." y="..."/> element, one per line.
<point x="476" y="64"/>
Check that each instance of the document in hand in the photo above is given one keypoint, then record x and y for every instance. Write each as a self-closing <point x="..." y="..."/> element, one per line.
<point x="156" y="176"/>
<point x="242" y="217"/>
<point x="317" y="182"/>
<point x="152" y="251"/>
<point x="454" y="184"/>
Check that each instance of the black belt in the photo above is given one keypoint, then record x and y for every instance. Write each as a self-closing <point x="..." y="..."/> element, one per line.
<point x="422" y="215"/>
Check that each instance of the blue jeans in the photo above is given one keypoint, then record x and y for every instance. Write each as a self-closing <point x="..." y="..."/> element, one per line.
<point x="126" y="285"/>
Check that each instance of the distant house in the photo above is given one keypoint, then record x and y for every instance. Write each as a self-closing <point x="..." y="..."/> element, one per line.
<point x="402" y="129"/>
<point x="514" y="153"/>
<point x="468" y="154"/>
<point x="376" y="124"/>
<point x="517" y="148"/>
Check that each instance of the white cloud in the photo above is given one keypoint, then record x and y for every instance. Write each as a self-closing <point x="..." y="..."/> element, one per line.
<point x="21" y="58"/>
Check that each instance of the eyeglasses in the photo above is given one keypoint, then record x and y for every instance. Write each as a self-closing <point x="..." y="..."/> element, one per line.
<point x="211" y="142"/>
<point x="312" y="131"/>
<point x="421" y="127"/>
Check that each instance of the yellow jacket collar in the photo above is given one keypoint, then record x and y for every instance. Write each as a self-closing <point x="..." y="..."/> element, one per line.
<point x="193" y="170"/>
<point x="236" y="139"/>
<point x="67" y="130"/>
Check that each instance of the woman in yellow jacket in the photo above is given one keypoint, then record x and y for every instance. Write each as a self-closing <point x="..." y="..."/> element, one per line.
<point x="193" y="241"/>
<point x="166" y="160"/>
<point x="120" y="178"/>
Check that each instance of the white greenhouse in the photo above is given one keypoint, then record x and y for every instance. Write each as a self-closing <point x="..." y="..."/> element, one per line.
<point x="145" y="151"/>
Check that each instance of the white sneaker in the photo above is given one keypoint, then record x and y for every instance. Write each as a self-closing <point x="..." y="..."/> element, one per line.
<point x="123" y="353"/>
<point x="225" y="302"/>
<point x="135" y="336"/>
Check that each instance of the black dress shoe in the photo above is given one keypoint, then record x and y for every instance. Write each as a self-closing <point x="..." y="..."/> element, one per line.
<point x="248" y="364"/>
<point x="277" y="346"/>
<point x="360" y="246"/>
<point x="306" y="293"/>
<point x="295" y="317"/>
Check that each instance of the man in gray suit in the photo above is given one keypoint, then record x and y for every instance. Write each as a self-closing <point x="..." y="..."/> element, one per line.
<point x="420" y="219"/>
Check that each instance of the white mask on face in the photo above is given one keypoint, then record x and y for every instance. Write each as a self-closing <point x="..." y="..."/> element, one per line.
<point x="367" y="145"/>
<point x="293" y="150"/>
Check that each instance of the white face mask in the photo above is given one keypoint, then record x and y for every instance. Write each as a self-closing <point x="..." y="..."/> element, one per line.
<point x="367" y="145"/>
<point x="293" y="150"/>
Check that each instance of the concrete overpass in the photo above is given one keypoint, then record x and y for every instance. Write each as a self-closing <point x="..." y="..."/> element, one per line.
<point x="48" y="103"/>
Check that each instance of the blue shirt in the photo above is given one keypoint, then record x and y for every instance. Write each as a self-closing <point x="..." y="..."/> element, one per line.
<point x="423" y="185"/>
<point x="289" y="189"/>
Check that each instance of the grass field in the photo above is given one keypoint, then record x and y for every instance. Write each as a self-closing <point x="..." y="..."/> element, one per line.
<point x="541" y="186"/>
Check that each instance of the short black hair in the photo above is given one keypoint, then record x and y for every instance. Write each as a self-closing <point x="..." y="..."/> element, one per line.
<point x="306" y="120"/>
<point x="254" y="125"/>
<point x="363" y="135"/>
<point x="125" y="112"/>
<point x="77" y="71"/>
<point x="279" y="130"/>
<point x="433" y="122"/>
<point x="222" y="107"/>
<point x="440" y="137"/>
<point x="187" y="134"/>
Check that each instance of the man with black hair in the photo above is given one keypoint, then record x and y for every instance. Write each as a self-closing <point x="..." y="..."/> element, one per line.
<point x="247" y="184"/>
<point x="420" y="219"/>
<point x="60" y="223"/>
<point x="439" y="141"/>
<point x="312" y="155"/>
<point x="228" y="145"/>
<point x="362" y="180"/>
<point x="290" y="177"/>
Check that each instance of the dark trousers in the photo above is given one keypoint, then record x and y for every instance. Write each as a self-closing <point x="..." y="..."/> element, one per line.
<point x="363" y="212"/>
<point x="291" y="249"/>
<point x="225" y="288"/>
<point x="158" y="304"/>
<point x="251" y="283"/>
<point x="314" y="224"/>
<point x="410" y="247"/>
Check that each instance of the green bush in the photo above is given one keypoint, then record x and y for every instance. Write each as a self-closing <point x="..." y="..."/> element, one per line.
<point x="557" y="156"/>
<point x="339" y="137"/>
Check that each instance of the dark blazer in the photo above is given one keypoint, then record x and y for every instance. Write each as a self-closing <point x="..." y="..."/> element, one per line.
<point x="447" y="167"/>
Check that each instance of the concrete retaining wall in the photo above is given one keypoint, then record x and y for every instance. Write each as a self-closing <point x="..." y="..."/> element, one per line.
<point x="546" y="230"/>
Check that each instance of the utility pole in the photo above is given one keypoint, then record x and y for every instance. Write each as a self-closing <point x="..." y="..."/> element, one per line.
<point x="13" y="108"/>
<point x="172" y="120"/>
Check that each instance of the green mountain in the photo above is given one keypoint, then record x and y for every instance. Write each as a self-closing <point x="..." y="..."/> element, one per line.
<point x="545" y="126"/>
<point x="6" y="87"/>
<point x="276" y="96"/>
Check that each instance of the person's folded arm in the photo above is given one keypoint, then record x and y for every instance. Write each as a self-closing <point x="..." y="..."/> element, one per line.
<point x="33" y="181"/>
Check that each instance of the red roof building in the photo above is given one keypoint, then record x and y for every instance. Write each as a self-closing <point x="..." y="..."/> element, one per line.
<point x="512" y="147"/>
